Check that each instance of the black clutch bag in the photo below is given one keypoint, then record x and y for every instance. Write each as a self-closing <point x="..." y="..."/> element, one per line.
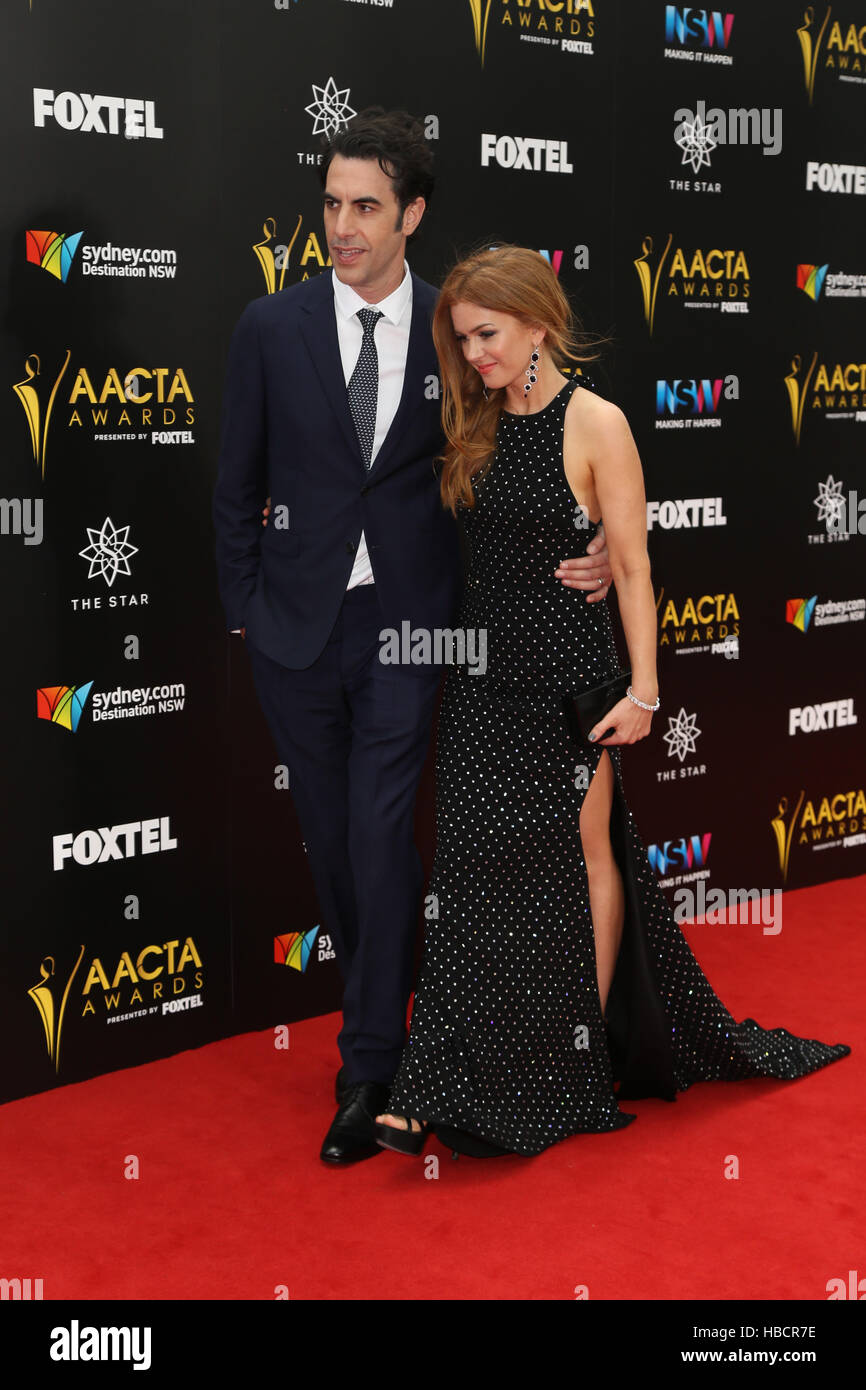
<point x="588" y="707"/>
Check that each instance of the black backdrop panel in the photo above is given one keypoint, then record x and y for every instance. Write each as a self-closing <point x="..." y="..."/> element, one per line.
<point x="730" y="285"/>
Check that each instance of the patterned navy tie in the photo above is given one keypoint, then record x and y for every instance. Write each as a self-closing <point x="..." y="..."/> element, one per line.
<point x="363" y="388"/>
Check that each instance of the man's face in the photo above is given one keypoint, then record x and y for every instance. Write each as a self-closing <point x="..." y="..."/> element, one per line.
<point x="365" y="231"/>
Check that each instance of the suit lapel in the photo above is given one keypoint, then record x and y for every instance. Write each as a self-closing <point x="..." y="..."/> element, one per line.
<point x="319" y="331"/>
<point x="419" y="350"/>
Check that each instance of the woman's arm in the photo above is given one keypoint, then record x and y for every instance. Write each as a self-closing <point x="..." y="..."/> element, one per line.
<point x="603" y="449"/>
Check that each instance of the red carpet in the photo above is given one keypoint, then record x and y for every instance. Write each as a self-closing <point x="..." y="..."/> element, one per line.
<point x="232" y="1200"/>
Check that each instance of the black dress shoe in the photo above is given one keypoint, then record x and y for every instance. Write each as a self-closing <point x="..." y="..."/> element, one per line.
<point x="352" y="1135"/>
<point x="340" y="1085"/>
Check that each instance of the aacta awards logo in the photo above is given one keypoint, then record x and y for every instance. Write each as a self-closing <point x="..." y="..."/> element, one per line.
<point x="51" y="1000"/>
<point x="567" y="25"/>
<point x="37" y="397"/>
<point x="145" y="405"/>
<point x="275" y="256"/>
<point x="835" y="389"/>
<point x="162" y="978"/>
<point x="709" y="623"/>
<point x="713" y="279"/>
<point x="838" y="821"/>
<point x="839" y="48"/>
<point x="480" y="18"/>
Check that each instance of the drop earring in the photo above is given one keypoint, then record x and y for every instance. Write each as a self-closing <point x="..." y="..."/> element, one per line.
<point x="531" y="372"/>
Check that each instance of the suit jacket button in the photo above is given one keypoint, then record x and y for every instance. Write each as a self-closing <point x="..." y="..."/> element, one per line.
<point x="365" y="489"/>
<point x="350" y="549"/>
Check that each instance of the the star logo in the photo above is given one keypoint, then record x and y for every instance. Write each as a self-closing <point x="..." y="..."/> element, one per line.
<point x="330" y="110"/>
<point x="681" y="735"/>
<point x="696" y="143"/>
<point x="830" y="503"/>
<point x="109" y="551"/>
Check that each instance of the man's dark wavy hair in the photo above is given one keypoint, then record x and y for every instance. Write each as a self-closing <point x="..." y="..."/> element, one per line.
<point x="396" y="141"/>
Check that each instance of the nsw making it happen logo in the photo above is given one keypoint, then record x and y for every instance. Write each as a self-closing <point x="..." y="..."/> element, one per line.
<point x="698" y="35"/>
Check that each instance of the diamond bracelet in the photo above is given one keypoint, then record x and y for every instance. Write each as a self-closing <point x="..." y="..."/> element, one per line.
<point x="636" y="701"/>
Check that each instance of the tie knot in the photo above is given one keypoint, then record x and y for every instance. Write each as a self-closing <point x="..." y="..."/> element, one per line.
<point x="369" y="318"/>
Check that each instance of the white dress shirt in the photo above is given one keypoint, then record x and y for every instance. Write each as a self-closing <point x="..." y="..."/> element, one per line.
<point x="391" y="336"/>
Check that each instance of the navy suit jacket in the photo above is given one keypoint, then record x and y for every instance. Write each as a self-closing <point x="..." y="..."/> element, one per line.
<point x="288" y="433"/>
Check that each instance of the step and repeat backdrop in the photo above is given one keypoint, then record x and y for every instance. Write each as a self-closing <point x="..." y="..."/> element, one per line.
<point x="697" y="180"/>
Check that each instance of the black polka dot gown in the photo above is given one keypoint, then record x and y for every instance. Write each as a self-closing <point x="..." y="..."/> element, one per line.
<point x="507" y="1037"/>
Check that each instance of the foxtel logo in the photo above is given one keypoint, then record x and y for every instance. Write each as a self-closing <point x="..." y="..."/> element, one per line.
<point x="98" y="114"/>
<point x="98" y="846"/>
<point x="524" y="152"/>
<point x="832" y="714"/>
<point x="835" y="178"/>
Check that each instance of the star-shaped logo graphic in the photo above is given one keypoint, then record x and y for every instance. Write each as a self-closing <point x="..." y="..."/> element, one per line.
<point x="109" y="551"/>
<point x="830" y="503"/>
<point x="330" y="109"/>
<point x="696" y="143"/>
<point x="681" y="735"/>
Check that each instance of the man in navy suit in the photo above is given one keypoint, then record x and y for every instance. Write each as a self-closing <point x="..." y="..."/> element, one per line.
<point x="331" y="409"/>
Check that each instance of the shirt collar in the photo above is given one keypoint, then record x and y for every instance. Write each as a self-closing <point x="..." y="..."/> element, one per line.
<point x="393" y="307"/>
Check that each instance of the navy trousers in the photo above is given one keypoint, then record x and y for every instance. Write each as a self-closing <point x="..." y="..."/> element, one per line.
<point x="354" y="734"/>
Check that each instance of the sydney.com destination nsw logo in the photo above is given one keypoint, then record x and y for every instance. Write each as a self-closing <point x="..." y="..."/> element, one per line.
<point x="64" y="705"/>
<point x="55" y="252"/>
<point x="296" y="948"/>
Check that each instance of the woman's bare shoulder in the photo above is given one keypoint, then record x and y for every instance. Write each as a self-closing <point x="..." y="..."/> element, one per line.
<point x="598" y="419"/>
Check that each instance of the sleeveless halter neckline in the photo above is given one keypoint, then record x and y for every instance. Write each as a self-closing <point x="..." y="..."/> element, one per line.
<point x="532" y="414"/>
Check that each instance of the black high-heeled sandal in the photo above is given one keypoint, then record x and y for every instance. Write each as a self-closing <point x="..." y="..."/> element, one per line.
<point x="403" y="1141"/>
<point x="460" y="1141"/>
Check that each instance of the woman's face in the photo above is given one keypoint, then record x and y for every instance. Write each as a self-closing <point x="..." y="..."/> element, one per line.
<point x="497" y="345"/>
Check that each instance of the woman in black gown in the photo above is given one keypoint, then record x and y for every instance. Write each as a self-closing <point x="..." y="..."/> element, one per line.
<point x="553" y="966"/>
